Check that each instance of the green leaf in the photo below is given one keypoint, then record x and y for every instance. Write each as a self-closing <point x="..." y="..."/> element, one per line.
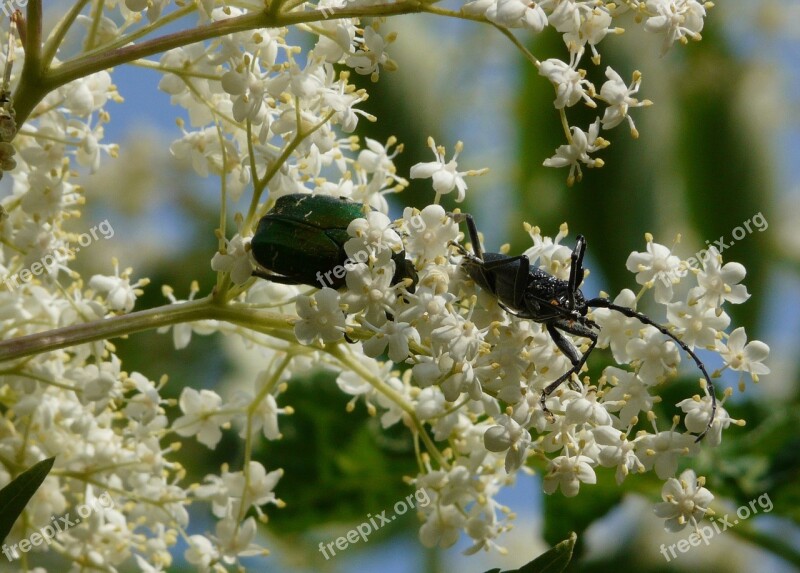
<point x="554" y="560"/>
<point x="16" y="495"/>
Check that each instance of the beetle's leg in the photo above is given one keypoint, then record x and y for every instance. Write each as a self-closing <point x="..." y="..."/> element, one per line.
<point x="262" y="274"/>
<point x="577" y="328"/>
<point x="461" y="249"/>
<point x="576" y="270"/>
<point x="644" y="319"/>
<point x="473" y="232"/>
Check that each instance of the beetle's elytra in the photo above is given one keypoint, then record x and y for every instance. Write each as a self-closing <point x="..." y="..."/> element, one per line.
<point x="302" y="239"/>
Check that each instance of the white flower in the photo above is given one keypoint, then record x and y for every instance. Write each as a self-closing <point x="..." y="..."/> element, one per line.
<point x="235" y="259"/>
<point x="442" y="526"/>
<point x="564" y="17"/>
<point x="377" y="159"/>
<point x="121" y="294"/>
<point x="517" y="14"/>
<point x="146" y="403"/>
<point x="508" y="437"/>
<point x="676" y="20"/>
<point x="657" y="355"/>
<point x="583" y="408"/>
<point x="86" y="95"/>
<point x="248" y="89"/>
<point x="253" y="490"/>
<point x="616" y="328"/>
<point x="98" y="383"/>
<point x="320" y="317"/>
<point x="342" y="101"/>
<point x="372" y="55"/>
<point x="662" y="450"/>
<point x="568" y="473"/>
<point x="205" y="151"/>
<point x="372" y="234"/>
<point x="200" y="416"/>
<point x="445" y="176"/>
<point x="571" y="84"/>
<point x="459" y="336"/>
<point x="430" y="232"/>
<point x="369" y="290"/>
<point x="459" y="377"/>
<point x="628" y="396"/>
<point x="182" y="333"/>
<point x="236" y="539"/>
<point x="394" y="334"/>
<point x="264" y="413"/>
<point x="577" y="151"/>
<point x="201" y="552"/>
<point x="594" y="26"/>
<point x="697" y="325"/>
<point x="548" y="253"/>
<point x="719" y="283"/>
<point x="659" y="267"/>
<point x="619" y="98"/>
<point x="340" y="35"/>
<point x="685" y="501"/>
<point x="744" y="356"/>
<point x="698" y="412"/>
<point x="617" y="451"/>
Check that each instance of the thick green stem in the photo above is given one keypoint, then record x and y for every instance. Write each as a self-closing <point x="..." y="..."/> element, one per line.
<point x="33" y="40"/>
<point x="191" y="311"/>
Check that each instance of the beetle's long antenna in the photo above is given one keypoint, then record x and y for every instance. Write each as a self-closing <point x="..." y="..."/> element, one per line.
<point x="644" y="319"/>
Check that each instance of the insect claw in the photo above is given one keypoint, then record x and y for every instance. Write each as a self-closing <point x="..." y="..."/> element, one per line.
<point x="545" y="409"/>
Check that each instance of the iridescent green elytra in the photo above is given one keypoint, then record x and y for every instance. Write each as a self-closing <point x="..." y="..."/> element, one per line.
<point x="301" y="241"/>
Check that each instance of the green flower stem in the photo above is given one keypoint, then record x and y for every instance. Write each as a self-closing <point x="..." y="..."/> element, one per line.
<point x="248" y="447"/>
<point x="33" y="40"/>
<point x="461" y="15"/>
<point x="163" y="21"/>
<point x="41" y="82"/>
<point x="275" y="167"/>
<point x="346" y="359"/>
<point x="60" y="32"/>
<point x="32" y="43"/>
<point x="191" y="311"/>
<point x="520" y="46"/>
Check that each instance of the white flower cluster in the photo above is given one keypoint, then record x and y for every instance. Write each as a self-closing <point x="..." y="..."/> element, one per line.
<point x="439" y="356"/>
<point x="585" y="23"/>
<point x="477" y="373"/>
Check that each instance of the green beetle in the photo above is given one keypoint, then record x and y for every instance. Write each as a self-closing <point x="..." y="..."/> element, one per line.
<point x="301" y="241"/>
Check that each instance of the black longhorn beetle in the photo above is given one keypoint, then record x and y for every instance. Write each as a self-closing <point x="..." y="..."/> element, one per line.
<point x="529" y="292"/>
